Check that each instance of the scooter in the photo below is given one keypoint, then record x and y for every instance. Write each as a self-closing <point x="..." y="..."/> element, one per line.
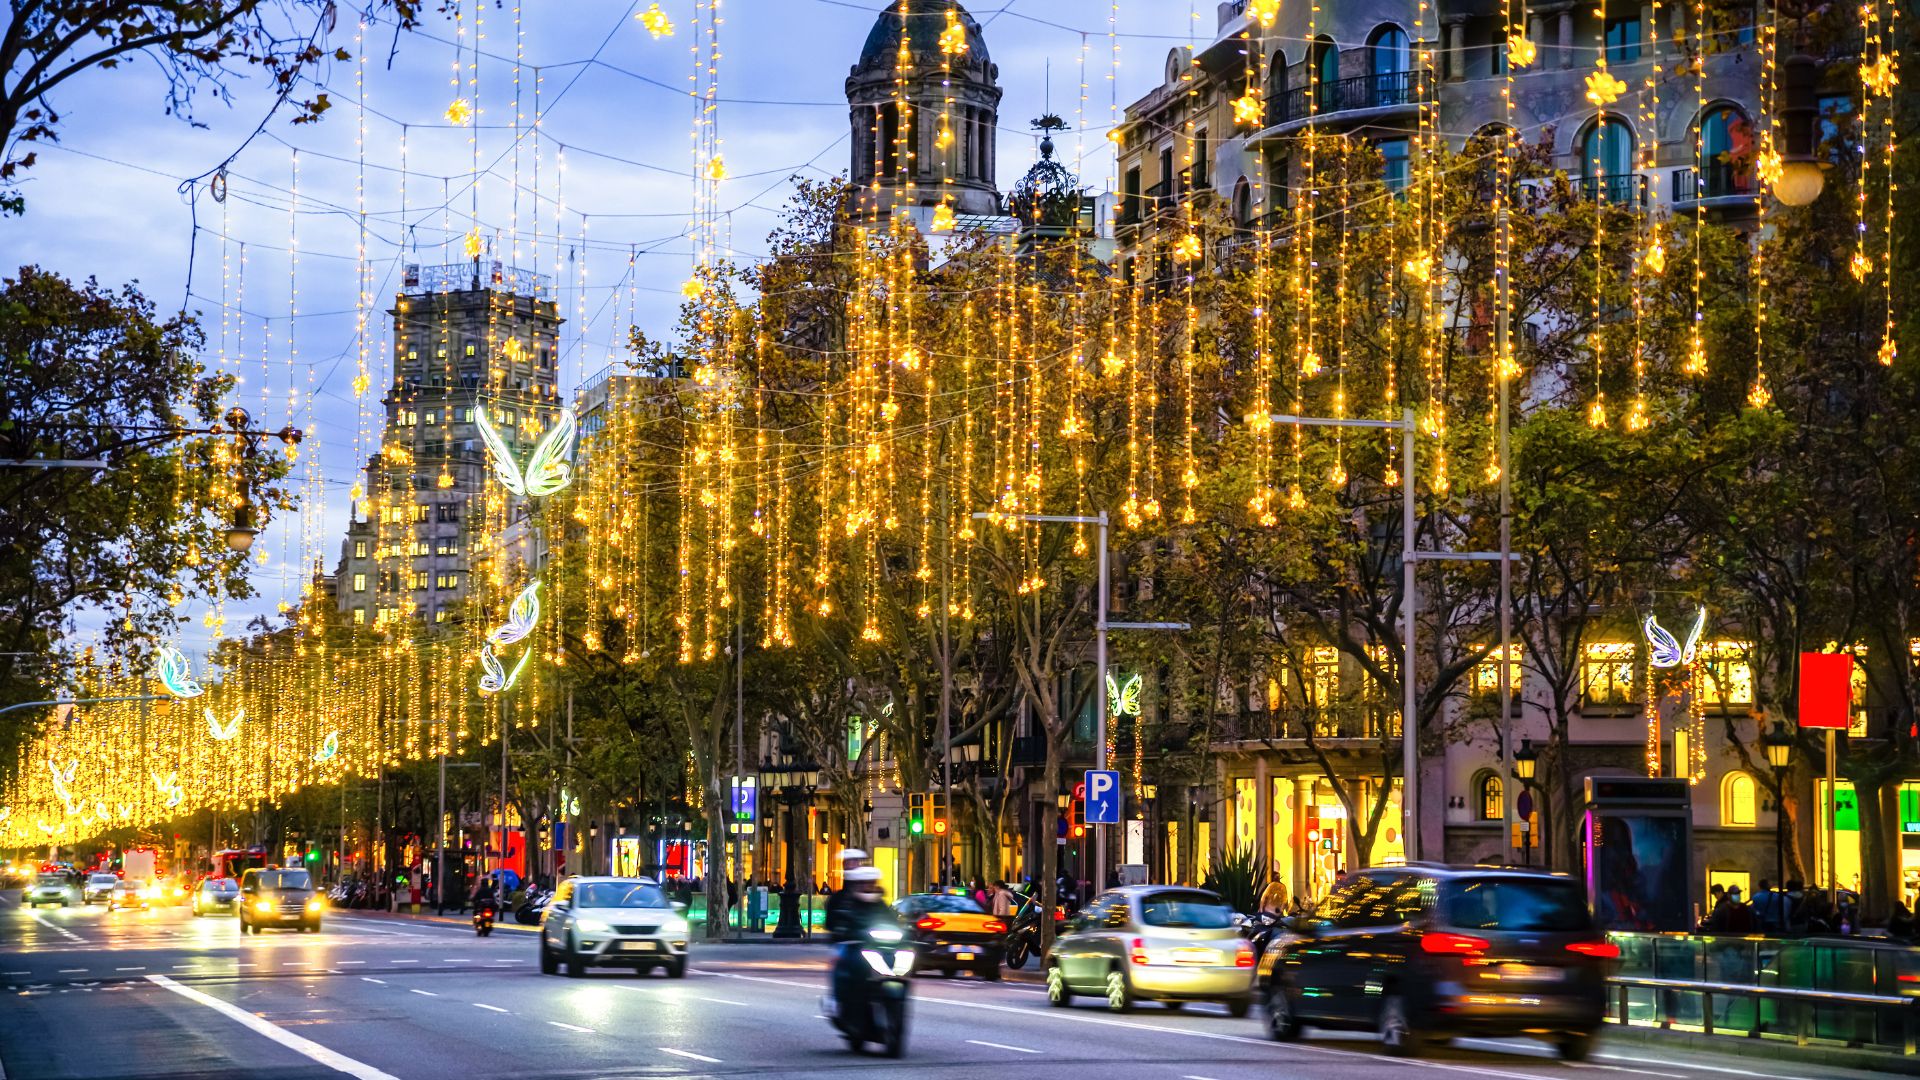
<point x="532" y="907"/>
<point x="876" y="1009"/>
<point x="483" y="915"/>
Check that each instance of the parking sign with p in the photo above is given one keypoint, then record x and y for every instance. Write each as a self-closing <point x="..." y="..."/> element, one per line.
<point x="1103" y="797"/>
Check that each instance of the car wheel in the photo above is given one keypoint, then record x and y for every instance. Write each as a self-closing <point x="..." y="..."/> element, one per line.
<point x="1058" y="995"/>
<point x="548" y="965"/>
<point x="677" y="969"/>
<point x="1119" y="994"/>
<point x="991" y="973"/>
<point x="1574" y="1046"/>
<point x="576" y="967"/>
<point x="1283" y="1023"/>
<point x="1239" y="1007"/>
<point x="1174" y="1006"/>
<point x="1396" y="1028"/>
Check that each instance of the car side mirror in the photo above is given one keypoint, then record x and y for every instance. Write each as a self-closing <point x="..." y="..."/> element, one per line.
<point x="679" y="907"/>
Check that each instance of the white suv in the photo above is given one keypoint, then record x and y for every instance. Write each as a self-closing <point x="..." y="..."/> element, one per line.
<point x="613" y="922"/>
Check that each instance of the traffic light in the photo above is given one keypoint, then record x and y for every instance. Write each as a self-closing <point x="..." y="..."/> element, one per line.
<point x="1074" y="816"/>
<point x="916" y="814"/>
<point x="938" y="825"/>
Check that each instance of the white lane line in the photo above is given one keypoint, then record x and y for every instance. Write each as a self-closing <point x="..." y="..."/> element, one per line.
<point x="718" y="1001"/>
<point x="403" y="961"/>
<point x="376" y="982"/>
<point x="142" y="968"/>
<point x="349" y="963"/>
<point x="489" y="1008"/>
<point x="305" y="1047"/>
<point x="1624" y="1069"/>
<point x="689" y="1055"/>
<point x="422" y="993"/>
<point x="454" y="960"/>
<point x="1015" y="1049"/>
<point x="16" y="972"/>
<point x="1686" y="1064"/>
<point x="1196" y="1078"/>
<point x="572" y="1027"/>
<point x="71" y="971"/>
<point x="1157" y="1030"/>
<point x="56" y="928"/>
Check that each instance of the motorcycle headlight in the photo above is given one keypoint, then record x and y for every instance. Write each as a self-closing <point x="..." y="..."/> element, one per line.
<point x="593" y="926"/>
<point x="885" y="933"/>
<point x="877" y="962"/>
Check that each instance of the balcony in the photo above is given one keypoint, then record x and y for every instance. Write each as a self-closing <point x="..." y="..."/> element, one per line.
<point x="1393" y="90"/>
<point x="1616" y="189"/>
<point x="1719" y="184"/>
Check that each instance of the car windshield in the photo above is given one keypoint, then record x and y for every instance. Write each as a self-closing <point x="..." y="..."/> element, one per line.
<point x="955" y="904"/>
<point x="620" y="894"/>
<point x="221" y="885"/>
<point x="51" y="879"/>
<point x="1544" y="904"/>
<point x="283" y="879"/>
<point x="102" y="879"/>
<point x="1186" y="910"/>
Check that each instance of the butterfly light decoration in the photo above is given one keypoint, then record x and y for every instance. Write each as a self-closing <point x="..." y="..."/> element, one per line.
<point x="329" y="749"/>
<point x="175" y="673"/>
<point x="497" y="678"/>
<point x="549" y="469"/>
<point x="1123" y="699"/>
<point x="1667" y="652"/>
<point x="169" y="788"/>
<point x="62" y="778"/>
<point x="521" y="617"/>
<point x="222" y="732"/>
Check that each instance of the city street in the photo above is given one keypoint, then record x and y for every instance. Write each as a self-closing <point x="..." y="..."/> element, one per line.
<point x="161" y="994"/>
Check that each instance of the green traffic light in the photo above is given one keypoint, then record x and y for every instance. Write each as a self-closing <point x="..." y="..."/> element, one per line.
<point x="917" y="826"/>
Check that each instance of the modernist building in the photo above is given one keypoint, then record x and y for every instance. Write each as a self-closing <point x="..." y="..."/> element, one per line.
<point x="464" y="336"/>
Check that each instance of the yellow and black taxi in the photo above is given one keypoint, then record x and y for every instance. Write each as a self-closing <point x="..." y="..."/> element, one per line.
<point x="1422" y="954"/>
<point x="952" y="933"/>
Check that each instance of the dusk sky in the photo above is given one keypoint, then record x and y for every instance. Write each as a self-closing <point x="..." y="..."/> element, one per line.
<point x="107" y="200"/>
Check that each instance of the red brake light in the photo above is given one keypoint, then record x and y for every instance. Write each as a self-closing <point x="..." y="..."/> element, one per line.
<point x="1243" y="958"/>
<point x="928" y="922"/>
<point x="1604" y="950"/>
<point x="995" y="926"/>
<point x="1059" y="915"/>
<point x="1454" y="944"/>
<point x="1137" y="951"/>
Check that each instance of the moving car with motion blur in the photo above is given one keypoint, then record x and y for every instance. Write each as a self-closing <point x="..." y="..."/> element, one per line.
<point x="952" y="933"/>
<point x="272" y="896"/>
<point x="613" y="922"/>
<point x="1422" y="954"/>
<point x="1154" y="943"/>
<point x="99" y="887"/>
<point x="216" y="896"/>
<point x="129" y="893"/>
<point x="51" y="887"/>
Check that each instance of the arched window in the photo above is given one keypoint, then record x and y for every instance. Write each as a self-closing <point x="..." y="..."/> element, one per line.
<point x="1243" y="203"/>
<point x="1489" y="797"/>
<point x="1726" y="152"/>
<point x="1388" y="60"/>
<point x="1326" y="73"/>
<point x="1739" y="801"/>
<point x="1608" y="148"/>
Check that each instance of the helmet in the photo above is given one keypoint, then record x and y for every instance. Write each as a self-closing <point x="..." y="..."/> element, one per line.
<point x="852" y="854"/>
<point x="863" y="875"/>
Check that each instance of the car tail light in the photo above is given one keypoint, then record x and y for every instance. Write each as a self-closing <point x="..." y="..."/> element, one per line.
<point x="1137" y="951"/>
<point x="928" y="922"/>
<point x="1243" y="958"/>
<point x="1454" y="944"/>
<point x="1604" y="950"/>
<point x="995" y="926"/>
<point x="1059" y="915"/>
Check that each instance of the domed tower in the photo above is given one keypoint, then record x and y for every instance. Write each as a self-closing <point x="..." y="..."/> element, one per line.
<point x="896" y="100"/>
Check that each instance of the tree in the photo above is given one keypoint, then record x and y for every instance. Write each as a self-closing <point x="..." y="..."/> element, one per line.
<point x="197" y="45"/>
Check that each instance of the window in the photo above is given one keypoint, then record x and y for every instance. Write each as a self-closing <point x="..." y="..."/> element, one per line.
<point x="446" y="545"/>
<point x="359" y="616"/>
<point x="407" y="418"/>
<point x="1199" y="181"/>
<point x="1395" y="164"/>
<point x="1606" y="674"/>
<point x="1725" y="676"/>
<point x="1498" y="65"/>
<point x="470" y="350"/>
<point x="1242" y="203"/>
<point x="1681" y="766"/>
<point x="447" y="579"/>
<point x="1320" y="675"/>
<point x="1623" y="40"/>
<point x="1486" y="675"/>
<point x="433" y="416"/>
<point x="445" y="513"/>
<point x="1132" y="190"/>
<point x="466" y="415"/>
<point x="1165" y="183"/>
<point x="359" y="549"/>
<point x="1490" y="802"/>
<point x="359" y="583"/>
<point x="419" y="512"/>
<point x="1608" y="149"/>
<point x="1738" y="799"/>
<point x="1388" y="60"/>
<point x="1519" y="904"/>
<point x="420" y="580"/>
<point x="1726" y="152"/>
<point x="1368" y="904"/>
<point x="1326" y="73"/>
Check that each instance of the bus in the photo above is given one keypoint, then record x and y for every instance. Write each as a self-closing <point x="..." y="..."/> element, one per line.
<point x="232" y="862"/>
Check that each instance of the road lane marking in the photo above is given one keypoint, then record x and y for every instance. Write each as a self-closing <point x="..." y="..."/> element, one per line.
<point x="376" y="982"/>
<point x="142" y="968"/>
<point x="454" y="960"/>
<point x="16" y="972"/>
<point x="489" y="1008"/>
<point x="56" y="928"/>
<point x="1015" y="1049"/>
<point x="403" y="961"/>
<point x="572" y="1027"/>
<point x="717" y="1001"/>
<point x="688" y="1054"/>
<point x="1196" y="1078"/>
<point x="1191" y="1033"/>
<point x="71" y="971"/>
<point x="1696" y="1065"/>
<point x="349" y="963"/>
<point x="305" y="1047"/>
<point x="422" y="993"/>
<point x="1624" y="1069"/>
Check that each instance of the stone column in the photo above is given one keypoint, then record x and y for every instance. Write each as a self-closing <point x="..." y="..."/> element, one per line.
<point x="1563" y="34"/>
<point x="1453" y="57"/>
<point x="1263" y="811"/>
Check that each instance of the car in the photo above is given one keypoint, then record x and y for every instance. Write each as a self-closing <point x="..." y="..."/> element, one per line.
<point x="1165" y="943"/>
<point x="49" y="888"/>
<point x="1423" y="954"/>
<point x="952" y="933"/>
<point x="613" y="922"/>
<point x="216" y="896"/>
<point x="130" y="893"/>
<point x="99" y="887"/>
<point x="272" y="896"/>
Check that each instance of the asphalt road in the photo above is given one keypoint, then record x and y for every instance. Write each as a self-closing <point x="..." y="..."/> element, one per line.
<point x="98" y="996"/>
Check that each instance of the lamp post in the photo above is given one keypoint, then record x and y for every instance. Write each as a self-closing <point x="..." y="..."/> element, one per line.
<point x="1779" y="748"/>
<point x="795" y="782"/>
<point x="1525" y="761"/>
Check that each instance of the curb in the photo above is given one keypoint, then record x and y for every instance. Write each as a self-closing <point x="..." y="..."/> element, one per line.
<point x="1839" y="1057"/>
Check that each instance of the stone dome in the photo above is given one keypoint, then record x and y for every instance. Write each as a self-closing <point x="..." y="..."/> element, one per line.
<point x="925" y="21"/>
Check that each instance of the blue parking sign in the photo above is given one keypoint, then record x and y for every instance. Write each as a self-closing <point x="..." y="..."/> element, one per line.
<point x="1103" y="797"/>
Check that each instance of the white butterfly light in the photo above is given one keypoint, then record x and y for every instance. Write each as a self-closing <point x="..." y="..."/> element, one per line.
<point x="521" y="617"/>
<point x="497" y="678"/>
<point x="549" y="469"/>
<point x="1123" y="699"/>
<point x="329" y="749"/>
<point x="223" y="732"/>
<point x="175" y="673"/>
<point x="1667" y="652"/>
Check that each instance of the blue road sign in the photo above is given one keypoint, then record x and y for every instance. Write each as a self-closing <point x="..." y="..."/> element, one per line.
<point x="1103" y="797"/>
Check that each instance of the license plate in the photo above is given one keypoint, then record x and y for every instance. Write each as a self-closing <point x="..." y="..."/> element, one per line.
<point x="638" y="946"/>
<point x="1195" y="956"/>
<point x="1529" y="973"/>
<point x="965" y="956"/>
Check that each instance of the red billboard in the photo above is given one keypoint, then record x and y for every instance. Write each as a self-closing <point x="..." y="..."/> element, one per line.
<point x="1826" y="690"/>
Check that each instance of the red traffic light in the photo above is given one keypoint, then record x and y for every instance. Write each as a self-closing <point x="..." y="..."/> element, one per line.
<point x="939" y="827"/>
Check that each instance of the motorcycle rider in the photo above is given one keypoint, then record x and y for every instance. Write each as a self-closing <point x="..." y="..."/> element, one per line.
<point x="856" y="908"/>
<point x="484" y="897"/>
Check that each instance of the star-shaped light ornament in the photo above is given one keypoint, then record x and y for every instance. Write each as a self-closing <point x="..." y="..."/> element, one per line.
<point x="1521" y="51"/>
<point x="1602" y="88"/>
<point x="943" y="218"/>
<point x="717" y="168"/>
<point x="1246" y="109"/>
<point x="656" y="22"/>
<point x="953" y="40"/>
<point x="1188" y="249"/>
<point x="1654" y="262"/>
<point x="472" y="244"/>
<point x="460" y="113"/>
<point x="1264" y="11"/>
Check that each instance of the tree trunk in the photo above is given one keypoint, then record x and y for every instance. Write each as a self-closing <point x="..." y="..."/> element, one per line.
<point x="1049" y="850"/>
<point x="1879" y="881"/>
<point x="717" y="869"/>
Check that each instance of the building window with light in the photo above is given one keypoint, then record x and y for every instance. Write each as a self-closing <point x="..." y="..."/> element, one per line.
<point x="359" y="549"/>
<point x="1726" y="679"/>
<point x="359" y="616"/>
<point x="447" y="580"/>
<point x="1739" y="801"/>
<point x="359" y="583"/>
<point x="1606" y="674"/>
<point x="1489" y="797"/>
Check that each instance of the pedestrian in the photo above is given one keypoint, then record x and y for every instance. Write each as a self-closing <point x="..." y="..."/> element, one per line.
<point x="1001" y="900"/>
<point x="1769" y="909"/>
<point x="1739" y="917"/>
<point x="1794" y="903"/>
<point x="1900" y="925"/>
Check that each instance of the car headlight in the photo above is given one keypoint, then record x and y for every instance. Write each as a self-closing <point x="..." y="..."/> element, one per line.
<point x="264" y="907"/>
<point x="149" y="892"/>
<point x="179" y="892"/>
<point x="677" y="926"/>
<point x="314" y="904"/>
<point x="593" y="926"/>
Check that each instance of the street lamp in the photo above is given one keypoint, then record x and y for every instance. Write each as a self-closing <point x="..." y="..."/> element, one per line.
<point x="1779" y="747"/>
<point x="1525" y="761"/>
<point x="795" y="782"/>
